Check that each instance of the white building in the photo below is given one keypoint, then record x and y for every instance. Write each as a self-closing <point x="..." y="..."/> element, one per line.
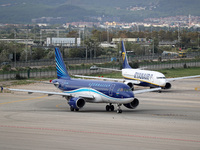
<point x="63" y="41"/>
<point x="22" y="41"/>
<point x="133" y="40"/>
<point x="108" y="45"/>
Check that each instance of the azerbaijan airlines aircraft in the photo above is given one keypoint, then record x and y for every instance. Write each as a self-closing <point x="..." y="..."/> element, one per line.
<point x="79" y="91"/>
<point x="140" y="77"/>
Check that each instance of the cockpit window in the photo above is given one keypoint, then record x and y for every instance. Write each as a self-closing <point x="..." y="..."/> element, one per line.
<point x="124" y="90"/>
<point x="161" y="78"/>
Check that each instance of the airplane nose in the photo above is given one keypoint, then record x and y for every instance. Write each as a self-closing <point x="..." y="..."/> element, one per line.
<point x="131" y="94"/>
<point x="163" y="82"/>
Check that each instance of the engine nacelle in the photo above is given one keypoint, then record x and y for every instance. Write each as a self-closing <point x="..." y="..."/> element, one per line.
<point x="133" y="104"/>
<point x="167" y="85"/>
<point x="76" y="102"/>
<point x="130" y="85"/>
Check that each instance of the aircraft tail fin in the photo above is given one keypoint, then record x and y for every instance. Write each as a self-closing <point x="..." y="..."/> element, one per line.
<point x="60" y="65"/>
<point x="124" y="57"/>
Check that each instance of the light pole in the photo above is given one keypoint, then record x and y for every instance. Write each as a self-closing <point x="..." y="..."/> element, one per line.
<point x="58" y="32"/>
<point x="26" y="45"/>
<point x="86" y="53"/>
<point x="40" y="37"/>
<point x="108" y="35"/>
<point x="15" y="48"/>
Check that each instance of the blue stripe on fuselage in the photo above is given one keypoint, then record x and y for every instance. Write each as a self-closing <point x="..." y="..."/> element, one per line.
<point x="147" y="84"/>
<point x="143" y="83"/>
<point x="110" y="90"/>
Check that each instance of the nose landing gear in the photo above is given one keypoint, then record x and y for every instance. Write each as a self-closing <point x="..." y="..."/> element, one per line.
<point x="119" y="110"/>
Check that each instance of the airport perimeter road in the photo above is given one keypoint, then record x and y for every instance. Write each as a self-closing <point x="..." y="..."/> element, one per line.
<point x="167" y="120"/>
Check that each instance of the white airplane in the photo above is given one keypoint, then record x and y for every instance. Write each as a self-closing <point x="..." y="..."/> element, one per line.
<point x="79" y="91"/>
<point x="140" y="77"/>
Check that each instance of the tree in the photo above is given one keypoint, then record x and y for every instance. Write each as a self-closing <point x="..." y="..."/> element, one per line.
<point x="96" y="34"/>
<point x="73" y="34"/>
<point x="77" y="53"/>
<point x="39" y="53"/>
<point x="93" y="49"/>
<point x="134" y="48"/>
<point x="7" y="49"/>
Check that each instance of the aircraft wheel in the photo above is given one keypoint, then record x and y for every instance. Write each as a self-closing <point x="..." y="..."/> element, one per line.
<point x="77" y="109"/>
<point x="112" y="108"/>
<point x="119" y="111"/>
<point x="107" y="107"/>
<point x="71" y="108"/>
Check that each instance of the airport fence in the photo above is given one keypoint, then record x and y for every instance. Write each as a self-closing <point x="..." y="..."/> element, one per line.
<point x="69" y="61"/>
<point x="50" y="72"/>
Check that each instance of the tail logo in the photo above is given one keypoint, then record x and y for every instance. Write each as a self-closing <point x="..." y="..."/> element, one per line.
<point x="123" y="55"/>
<point x="60" y="65"/>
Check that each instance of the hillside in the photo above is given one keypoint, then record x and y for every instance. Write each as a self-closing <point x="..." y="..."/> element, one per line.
<point x="23" y="11"/>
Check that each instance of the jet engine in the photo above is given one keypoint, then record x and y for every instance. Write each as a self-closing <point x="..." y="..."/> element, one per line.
<point x="76" y="103"/>
<point x="167" y="85"/>
<point x="133" y="104"/>
<point x="130" y="85"/>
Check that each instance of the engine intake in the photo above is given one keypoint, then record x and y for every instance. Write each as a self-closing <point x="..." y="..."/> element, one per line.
<point x="167" y="86"/>
<point x="76" y="102"/>
<point x="130" y="85"/>
<point x="133" y="104"/>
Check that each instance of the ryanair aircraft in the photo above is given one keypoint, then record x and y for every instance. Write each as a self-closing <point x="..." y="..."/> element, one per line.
<point x="141" y="77"/>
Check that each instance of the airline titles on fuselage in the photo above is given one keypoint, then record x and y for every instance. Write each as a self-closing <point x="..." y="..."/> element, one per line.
<point x="144" y="76"/>
<point x="99" y="85"/>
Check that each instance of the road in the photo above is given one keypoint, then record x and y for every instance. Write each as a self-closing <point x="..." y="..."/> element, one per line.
<point x="167" y="120"/>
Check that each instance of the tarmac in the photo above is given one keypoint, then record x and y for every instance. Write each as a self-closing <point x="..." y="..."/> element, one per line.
<point x="166" y="120"/>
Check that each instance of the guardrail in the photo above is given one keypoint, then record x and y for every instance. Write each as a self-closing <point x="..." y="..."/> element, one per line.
<point x="43" y="73"/>
<point x="50" y="62"/>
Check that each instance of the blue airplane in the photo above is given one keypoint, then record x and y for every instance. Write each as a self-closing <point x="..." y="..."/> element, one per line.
<point x="79" y="91"/>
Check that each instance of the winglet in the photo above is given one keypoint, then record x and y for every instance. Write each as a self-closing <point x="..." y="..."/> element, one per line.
<point x="1" y="89"/>
<point x="60" y="65"/>
<point x="124" y="57"/>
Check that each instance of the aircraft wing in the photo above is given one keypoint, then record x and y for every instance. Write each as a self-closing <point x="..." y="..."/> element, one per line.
<point x="109" y="79"/>
<point x="96" y="68"/>
<point x="109" y="69"/>
<point x="51" y="93"/>
<point x="146" y="90"/>
<point x="179" y="78"/>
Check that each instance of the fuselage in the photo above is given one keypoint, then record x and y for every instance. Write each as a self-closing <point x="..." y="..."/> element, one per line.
<point x="146" y="77"/>
<point x="103" y="91"/>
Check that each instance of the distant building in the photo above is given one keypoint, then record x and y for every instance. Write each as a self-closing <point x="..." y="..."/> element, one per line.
<point x="63" y="41"/>
<point x="108" y="45"/>
<point x="82" y="24"/>
<point x="133" y="40"/>
<point x="22" y="41"/>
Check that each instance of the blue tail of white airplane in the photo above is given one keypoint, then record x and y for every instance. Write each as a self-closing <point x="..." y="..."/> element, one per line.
<point x="124" y="57"/>
<point x="60" y="66"/>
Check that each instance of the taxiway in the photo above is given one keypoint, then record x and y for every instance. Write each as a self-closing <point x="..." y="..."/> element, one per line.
<point x="167" y="120"/>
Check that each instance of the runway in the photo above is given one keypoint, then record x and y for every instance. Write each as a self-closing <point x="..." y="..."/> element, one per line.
<point x="167" y="120"/>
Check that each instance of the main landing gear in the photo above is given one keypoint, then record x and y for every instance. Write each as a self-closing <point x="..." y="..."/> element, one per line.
<point x="73" y="109"/>
<point x="110" y="107"/>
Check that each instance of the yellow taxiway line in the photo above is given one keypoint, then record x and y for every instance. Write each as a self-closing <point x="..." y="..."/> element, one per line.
<point x="23" y="100"/>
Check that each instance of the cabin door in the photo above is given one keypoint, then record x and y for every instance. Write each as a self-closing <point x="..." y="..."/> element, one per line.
<point x="111" y="90"/>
